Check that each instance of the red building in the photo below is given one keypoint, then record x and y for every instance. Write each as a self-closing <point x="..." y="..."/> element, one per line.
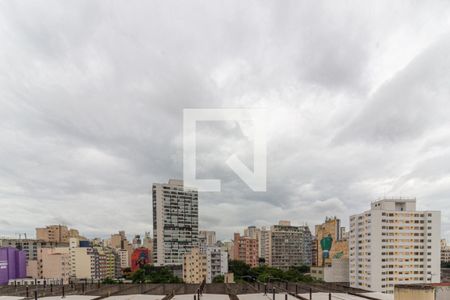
<point x="140" y="258"/>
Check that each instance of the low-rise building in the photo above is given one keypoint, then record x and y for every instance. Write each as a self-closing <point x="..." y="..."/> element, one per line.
<point x="194" y="266"/>
<point x="432" y="291"/>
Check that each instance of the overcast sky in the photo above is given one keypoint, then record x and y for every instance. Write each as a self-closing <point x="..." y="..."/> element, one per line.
<point x="92" y="96"/>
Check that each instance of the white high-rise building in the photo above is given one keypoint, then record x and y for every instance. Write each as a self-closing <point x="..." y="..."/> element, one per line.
<point x="216" y="263"/>
<point x="393" y="243"/>
<point x="175" y="222"/>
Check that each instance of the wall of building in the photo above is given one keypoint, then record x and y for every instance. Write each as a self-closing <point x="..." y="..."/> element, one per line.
<point x="12" y="264"/>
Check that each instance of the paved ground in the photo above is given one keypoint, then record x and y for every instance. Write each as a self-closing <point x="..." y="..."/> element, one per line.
<point x="135" y="297"/>
<point x="269" y="296"/>
<point x="204" y="297"/>
<point x="69" y="297"/>
<point x="343" y="296"/>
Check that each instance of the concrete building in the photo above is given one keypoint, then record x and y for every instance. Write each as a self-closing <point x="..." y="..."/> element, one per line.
<point x="263" y="245"/>
<point x="245" y="249"/>
<point x="331" y="228"/>
<point x="123" y="258"/>
<point x="206" y="239"/>
<point x="216" y="263"/>
<point x="393" y="243"/>
<point x="85" y="263"/>
<point x="119" y="241"/>
<point x="336" y="271"/>
<point x="147" y="242"/>
<point x="56" y="233"/>
<point x="29" y="246"/>
<point x="175" y="222"/>
<point x="289" y="245"/>
<point x="54" y="264"/>
<point x="194" y="266"/>
<point x="12" y="264"/>
<point x="445" y="252"/>
<point x="433" y="291"/>
<point x="323" y="267"/>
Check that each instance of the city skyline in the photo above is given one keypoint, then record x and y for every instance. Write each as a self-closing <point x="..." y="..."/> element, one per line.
<point x="92" y="112"/>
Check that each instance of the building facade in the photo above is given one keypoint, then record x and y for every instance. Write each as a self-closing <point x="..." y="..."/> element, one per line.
<point x="393" y="243"/>
<point x="29" y="246"/>
<point x="54" y="264"/>
<point x="194" y="266"/>
<point x="216" y="263"/>
<point x="206" y="238"/>
<point x="56" y="233"/>
<point x="245" y="249"/>
<point x="289" y="245"/>
<point x="175" y="222"/>
<point x="12" y="264"/>
<point x="445" y="252"/>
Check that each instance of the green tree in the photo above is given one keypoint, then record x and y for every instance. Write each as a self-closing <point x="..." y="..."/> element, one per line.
<point x="218" y="279"/>
<point x="138" y="276"/>
<point x="239" y="268"/>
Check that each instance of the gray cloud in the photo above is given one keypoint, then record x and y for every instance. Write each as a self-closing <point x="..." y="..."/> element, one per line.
<point x="92" y="96"/>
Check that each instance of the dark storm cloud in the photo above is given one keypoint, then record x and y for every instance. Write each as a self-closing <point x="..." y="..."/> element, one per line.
<point x="92" y="96"/>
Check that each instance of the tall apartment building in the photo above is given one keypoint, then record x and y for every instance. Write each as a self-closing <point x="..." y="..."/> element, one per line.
<point x="194" y="266"/>
<point x="175" y="222"/>
<point x="445" y="252"/>
<point x="123" y="258"/>
<point x="264" y="244"/>
<point x="216" y="263"/>
<point x="393" y="243"/>
<point x="206" y="238"/>
<point x="331" y="228"/>
<point x="245" y="249"/>
<point x="330" y="265"/>
<point x="147" y="242"/>
<point x="289" y="245"/>
<point x="56" y="233"/>
<point x="118" y="242"/>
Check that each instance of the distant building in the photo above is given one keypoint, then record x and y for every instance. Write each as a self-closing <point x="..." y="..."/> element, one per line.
<point x="331" y="264"/>
<point x="29" y="246"/>
<point x="245" y="249"/>
<point x="206" y="239"/>
<point x="119" y="241"/>
<point x="289" y="245"/>
<point x="140" y="258"/>
<point x="12" y="264"/>
<point x="56" y="233"/>
<point x="393" y="243"/>
<point x="264" y="244"/>
<point x="194" y="266"/>
<point x="137" y="242"/>
<point x="445" y="252"/>
<point x="175" y="222"/>
<point x="123" y="258"/>
<point x="54" y="264"/>
<point x="216" y="263"/>
<point x="148" y="241"/>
